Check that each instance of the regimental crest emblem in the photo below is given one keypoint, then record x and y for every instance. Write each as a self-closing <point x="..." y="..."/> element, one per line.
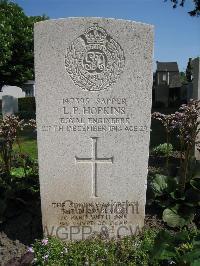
<point x="94" y="60"/>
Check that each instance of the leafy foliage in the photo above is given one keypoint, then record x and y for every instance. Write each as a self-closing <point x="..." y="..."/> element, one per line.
<point x="18" y="172"/>
<point x="21" y="188"/>
<point x="23" y="165"/>
<point x="9" y="128"/>
<point x="127" y="251"/>
<point x="178" y="209"/>
<point x="183" y="78"/>
<point x="188" y="72"/>
<point x="151" y="247"/>
<point x="27" y="109"/>
<point x="178" y="197"/>
<point x="27" y="104"/>
<point x="166" y="121"/>
<point x="194" y="12"/>
<point x="16" y="44"/>
<point x="186" y="123"/>
<point x="181" y="248"/>
<point x="163" y="149"/>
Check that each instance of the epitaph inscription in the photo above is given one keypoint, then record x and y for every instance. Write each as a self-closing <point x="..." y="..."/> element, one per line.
<point x="94" y="60"/>
<point x="94" y="160"/>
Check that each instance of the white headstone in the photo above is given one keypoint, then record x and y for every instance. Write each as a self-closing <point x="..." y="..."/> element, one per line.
<point x="94" y="85"/>
<point x="12" y="91"/>
<point x="9" y="105"/>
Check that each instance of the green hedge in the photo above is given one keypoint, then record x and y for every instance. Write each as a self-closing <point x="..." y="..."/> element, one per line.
<point x="26" y="104"/>
<point x="26" y="108"/>
<point x="26" y="115"/>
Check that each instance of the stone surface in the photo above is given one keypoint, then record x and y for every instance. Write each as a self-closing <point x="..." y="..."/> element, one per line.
<point x="93" y="100"/>
<point x="9" y="105"/>
<point x="12" y="91"/>
<point x="196" y="89"/>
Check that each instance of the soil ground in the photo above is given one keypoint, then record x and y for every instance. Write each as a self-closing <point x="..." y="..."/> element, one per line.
<point x="19" y="230"/>
<point x="10" y="249"/>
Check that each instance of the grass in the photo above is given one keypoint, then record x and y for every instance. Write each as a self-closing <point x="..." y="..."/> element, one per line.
<point x="28" y="146"/>
<point x="28" y="143"/>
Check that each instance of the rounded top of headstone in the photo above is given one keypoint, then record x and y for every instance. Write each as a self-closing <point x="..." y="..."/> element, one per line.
<point x="118" y="20"/>
<point x="94" y="57"/>
<point x="13" y="91"/>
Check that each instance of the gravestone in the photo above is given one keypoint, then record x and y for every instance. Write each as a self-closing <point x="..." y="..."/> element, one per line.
<point x="9" y="105"/>
<point x="196" y="89"/>
<point x="29" y="88"/>
<point x="14" y="91"/>
<point x="93" y="108"/>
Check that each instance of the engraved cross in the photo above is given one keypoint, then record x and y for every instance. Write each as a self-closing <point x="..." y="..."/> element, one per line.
<point x="94" y="160"/>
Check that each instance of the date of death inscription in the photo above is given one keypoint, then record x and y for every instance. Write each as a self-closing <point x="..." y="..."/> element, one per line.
<point x="99" y="213"/>
<point x="95" y="115"/>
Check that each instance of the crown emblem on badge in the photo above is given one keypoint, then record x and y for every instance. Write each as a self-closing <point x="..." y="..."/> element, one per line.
<point x="94" y="60"/>
<point x="95" y="34"/>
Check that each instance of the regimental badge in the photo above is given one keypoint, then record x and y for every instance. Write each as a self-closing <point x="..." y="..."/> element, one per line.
<point x="94" y="60"/>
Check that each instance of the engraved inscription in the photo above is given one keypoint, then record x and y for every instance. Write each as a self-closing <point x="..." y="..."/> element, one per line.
<point x="94" y="160"/>
<point x="112" y="213"/>
<point x="94" y="60"/>
<point x="95" y="115"/>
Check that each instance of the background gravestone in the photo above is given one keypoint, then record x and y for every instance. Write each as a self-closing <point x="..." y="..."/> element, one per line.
<point x="29" y="88"/>
<point x="9" y="105"/>
<point x="196" y="88"/>
<point x="12" y="91"/>
<point x="93" y="107"/>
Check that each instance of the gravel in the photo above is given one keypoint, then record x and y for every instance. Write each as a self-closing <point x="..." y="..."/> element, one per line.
<point x="10" y="249"/>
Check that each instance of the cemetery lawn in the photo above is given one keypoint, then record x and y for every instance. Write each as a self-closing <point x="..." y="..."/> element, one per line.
<point x="28" y="146"/>
<point x="27" y="143"/>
